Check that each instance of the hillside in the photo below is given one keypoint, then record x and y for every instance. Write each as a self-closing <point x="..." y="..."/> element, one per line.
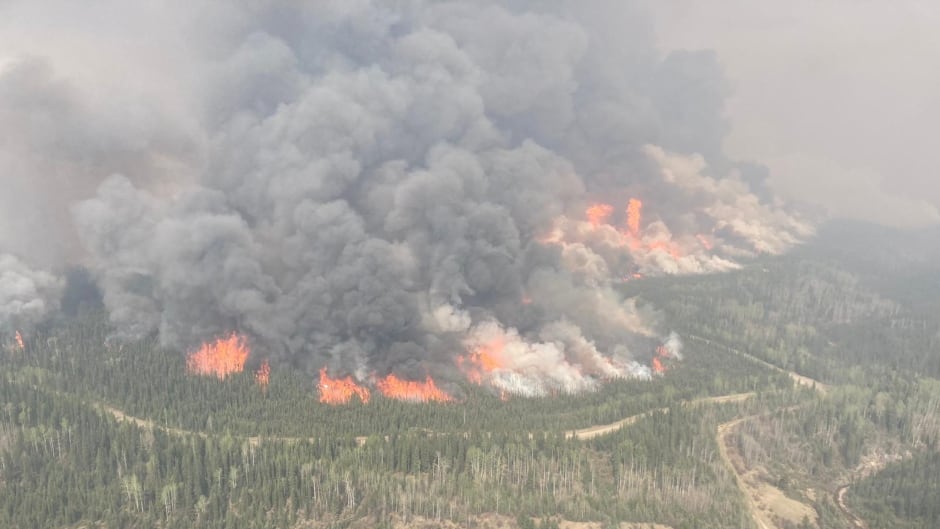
<point x="802" y="375"/>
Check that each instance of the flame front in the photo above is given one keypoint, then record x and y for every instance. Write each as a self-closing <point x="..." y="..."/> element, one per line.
<point x="606" y="242"/>
<point x="221" y="358"/>
<point x="482" y="361"/>
<point x="595" y="245"/>
<point x="340" y="390"/>
<point x="657" y="364"/>
<point x="263" y="375"/>
<point x="598" y="214"/>
<point x="395" y="388"/>
<point x="670" y="349"/>
<point x="668" y="247"/>
<point x="634" y="215"/>
<point x="20" y="344"/>
<point x="633" y="236"/>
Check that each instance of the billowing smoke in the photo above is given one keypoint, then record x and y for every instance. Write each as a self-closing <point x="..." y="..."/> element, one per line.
<point x="720" y="221"/>
<point x="401" y="189"/>
<point x="26" y="295"/>
<point x="56" y="146"/>
<point x="673" y="346"/>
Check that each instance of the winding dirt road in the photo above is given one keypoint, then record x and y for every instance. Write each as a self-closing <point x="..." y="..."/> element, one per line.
<point x="762" y="517"/>
<point x="589" y="432"/>
<point x="857" y="522"/>
<point x="724" y="431"/>
<point x="798" y="378"/>
<point x="765" y="502"/>
<point x="602" y="429"/>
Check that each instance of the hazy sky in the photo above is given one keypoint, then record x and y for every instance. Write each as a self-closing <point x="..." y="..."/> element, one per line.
<point x="840" y="98"/>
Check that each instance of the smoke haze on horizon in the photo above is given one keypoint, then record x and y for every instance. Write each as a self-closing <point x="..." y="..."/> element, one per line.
<point x="838" y="99"/>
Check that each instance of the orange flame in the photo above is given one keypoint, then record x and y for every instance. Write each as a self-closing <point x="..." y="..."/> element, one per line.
<point x="658" y="366"/>
<point x="396" y="388"/>
<point x="263" y="375"/>
<point x="220" y="358"/>
<point x="20" y="344"/>
<point x="634" y="215"/>
<point x="485" y="359"/>
<point x="649" y="244"/>
<point x="598" y="214"/>
<point x="340" y="390"/>
<point x="661" y="354"/>
<point x="667" y="246"/>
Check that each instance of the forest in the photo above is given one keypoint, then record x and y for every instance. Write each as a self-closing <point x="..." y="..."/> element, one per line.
<point x="805" y="378"/>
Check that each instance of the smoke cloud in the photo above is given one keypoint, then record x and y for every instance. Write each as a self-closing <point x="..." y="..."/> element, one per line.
<point x="390" y="189"/>
<point x="26" y="295"/>
<point x="844" y="118"/>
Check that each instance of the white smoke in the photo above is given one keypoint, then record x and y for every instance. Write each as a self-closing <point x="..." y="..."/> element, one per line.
<point x="767" y="228"/>
<point x="533" y="368"/>
<point x="673" y="346"/>
<point x="27" y="295"/>
<point x="732" y="224"/>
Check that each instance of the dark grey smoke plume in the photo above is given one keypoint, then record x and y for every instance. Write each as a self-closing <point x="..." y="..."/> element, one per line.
<point x="373" y="186"/>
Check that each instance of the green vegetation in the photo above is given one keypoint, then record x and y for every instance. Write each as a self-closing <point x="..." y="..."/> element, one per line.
<point x="68" y="460"/>
<point x="146" y="382"/>
<point x="198" y="452"/>
<point x="835" y="310"/>
<point x="905" y="495"/>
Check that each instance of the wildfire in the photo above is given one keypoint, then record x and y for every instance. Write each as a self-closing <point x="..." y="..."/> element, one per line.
<point x="413" y="390"/>
<point x="658" y="366"/>
<point x="220" y="358"/>
<point x="661" y="354"/>
<point x="598" y="214"/>
<point x="263" y="375"/>
<point x="20" y="344"/>
<point x="669" y="247"/>
<point x="634" y="214"/>
<point x="340" y="390"/>
<point x="485" y="359"/>
<point x="630" y="235"/>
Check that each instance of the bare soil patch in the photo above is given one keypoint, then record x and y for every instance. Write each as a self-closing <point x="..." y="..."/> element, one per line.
<point x="767" y="503"/>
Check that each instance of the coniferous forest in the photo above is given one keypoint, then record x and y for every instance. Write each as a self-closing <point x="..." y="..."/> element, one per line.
<point x="99" y="433"/>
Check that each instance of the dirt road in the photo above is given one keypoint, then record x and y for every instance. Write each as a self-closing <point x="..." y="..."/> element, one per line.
<point x="594" y="431"/>
<point x="856" y="522"/>
<point x="799" y="379"/>
<point x="765" y="502"/>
